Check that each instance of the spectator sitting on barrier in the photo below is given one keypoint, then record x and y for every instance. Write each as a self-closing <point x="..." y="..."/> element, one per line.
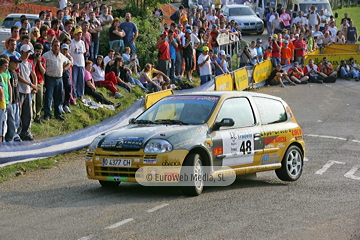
<point x="277" y="76"/>
<point x="312" y="71"/>
<point x="90" y="88"/>
<point x="296" y="74"/>
<point x="245" y="56"/>
<point x="327" y="68"/>
<point x="355" y="68"/>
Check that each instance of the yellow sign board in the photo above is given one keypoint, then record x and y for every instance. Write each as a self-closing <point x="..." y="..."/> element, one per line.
<point x="152" y="98"/>
<point x="333" y="58"/>
<point x="241" y="78"/>
<point x="262" y="71"/>
<point x="224" y="83"/>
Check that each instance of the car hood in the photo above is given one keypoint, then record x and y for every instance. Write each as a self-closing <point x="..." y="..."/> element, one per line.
<point x="245" y="18"/>
<point x="133" y="137"/>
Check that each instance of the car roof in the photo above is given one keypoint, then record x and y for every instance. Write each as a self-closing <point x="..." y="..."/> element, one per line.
<point x="230" y="94"/>
<point x="237" y="6"/>
<point x="18" y="15"/>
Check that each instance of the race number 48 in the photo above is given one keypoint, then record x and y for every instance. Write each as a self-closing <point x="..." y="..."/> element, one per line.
<point x="245" y="147"/>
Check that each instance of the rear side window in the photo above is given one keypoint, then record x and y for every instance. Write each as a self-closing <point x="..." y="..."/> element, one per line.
<point x="9" y="22"/>
<point x="270" y="110"/>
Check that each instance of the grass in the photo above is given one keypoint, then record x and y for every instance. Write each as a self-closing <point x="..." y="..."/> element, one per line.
<point x="352" y="14"/>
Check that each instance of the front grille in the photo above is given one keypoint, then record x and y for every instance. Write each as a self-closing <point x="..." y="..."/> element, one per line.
<point x="248" y="24"/>
<point x="121" y="149"/>
<point x="115" y="171"/>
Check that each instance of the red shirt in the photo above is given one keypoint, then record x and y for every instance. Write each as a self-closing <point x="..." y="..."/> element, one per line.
<point x="214" y="43"/>
<point x="40" y="77"/>
<point x="295" y="74"/>
<point x="308" y="68"/>
<point x="275" y="51"/>
<point x="86" y="37"/>
<point x="164" y="50"/>
<point x="57" y="34"/>
<point x="299" y="44"/>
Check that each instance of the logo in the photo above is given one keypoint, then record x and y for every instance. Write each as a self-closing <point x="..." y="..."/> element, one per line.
<point x="265" y="158"/>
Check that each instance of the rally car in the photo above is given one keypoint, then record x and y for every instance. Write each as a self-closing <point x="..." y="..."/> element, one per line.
<point x="244" y="131"/>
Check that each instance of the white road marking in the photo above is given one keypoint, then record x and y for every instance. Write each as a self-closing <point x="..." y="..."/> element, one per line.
<point x="306" y="159"/>
<point x="331" y="137"/>
<point x="351" y="174"/>
<point x="327" y="166"/>
<point x="87" y="237"/>
<point x="119" y="223"/>
<point x="157" y="208"/>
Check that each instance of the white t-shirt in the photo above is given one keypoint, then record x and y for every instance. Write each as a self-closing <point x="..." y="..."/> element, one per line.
<point x="98" y="74"/>
<point x="107" y="59"/>
<point x="206" y="68"/>
<point x="318" y="35"/>
<point x="77" y="50"/>
<point x="63" y="4"/>
<point x="302" y="20"/>
<point x="253" y="52"/>
<point x="25" y="68"/>
<point x="333" y="31"/>
<point x="322" y="18"/>
<point x="313" y="19"/>
<point x="107" y="18"/>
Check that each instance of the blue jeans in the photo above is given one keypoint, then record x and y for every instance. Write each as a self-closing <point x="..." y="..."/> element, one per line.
<point x="215" y="49"/>
<point x="132" y="46"/>
<point x="54" y="90"/>
<point x="276" y="61"/>
<point x="16" y="112"/>
<point x="204" y="79"/>
<point x="94" y="50"/>
<point x="11" y="126"/>
<point x="172" y="70"/>
<point x="79" y="82"/>
<point x="344" y="73"/>
<point x="178" y="63"/>
<point x="137" y="82"/>
<point x="152" y="87"/>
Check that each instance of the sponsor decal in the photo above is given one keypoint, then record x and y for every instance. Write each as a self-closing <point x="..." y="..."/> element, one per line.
<point x="137" y="160"/>
<point x="123" y="143"/>
<point x="147" y="160"/>
<point x="208" y="142"/>
<point x="289" y="112"/>
<point x="296" y="132"/>
<point x="274" y="140"/>
<point x="89" y="159"/>
<point x="171" y="163"/>
<point x="268" y="159"/>
<point x="218" y="151"/>
<point x="117" y="179"/>
<point x="275" y="132"/>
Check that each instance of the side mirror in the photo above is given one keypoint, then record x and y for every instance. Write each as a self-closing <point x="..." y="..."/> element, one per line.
<point x="225" y="122"/>
<point x="336" y="15"/>
<point x="131" y="120"/>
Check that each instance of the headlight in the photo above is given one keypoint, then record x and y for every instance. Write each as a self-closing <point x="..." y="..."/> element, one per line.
<point x="158" y="146"/>
<point x="259" y="23"/>
<point x="239" y="23"/>
<point x="94" y="145"/>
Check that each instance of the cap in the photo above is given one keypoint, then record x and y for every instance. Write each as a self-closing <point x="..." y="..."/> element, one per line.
<point x="276" y="13"/>
<point x="310" y="25"/>
<point x="214" y="25"/>
<point x="51" y="32"/>
<point x="165" y="33"/>
<point x="206" y="9"/>
<point x="259" y="41"/>
<point x="188" y="31"/>
<point x="65" y="46"/>
<point x="275" y="35"/>
<point x="15" y="59"/>
<point x="286" y="42"/>
<point x="25" y="48"/>
<point x="48" y="10"/>
<point x="185" y="19"/>
<point x="296" y="63"/>
<point x="312" y="7"/>
<point x="287" y="36"/>
<point x="222" y="52"/>
<point x="205" y="48"/>
<point x="77" y="30"/>
<point x="296" y="35"/>
<point x="228" y="55"/>
<point x="66" y="17"/>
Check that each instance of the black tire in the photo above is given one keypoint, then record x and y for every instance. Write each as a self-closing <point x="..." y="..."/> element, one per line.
<point x="109" y="184"/>
<point x="291" y="165"/>
<point x="196" y="188"/>
<point x="260" y="33"/>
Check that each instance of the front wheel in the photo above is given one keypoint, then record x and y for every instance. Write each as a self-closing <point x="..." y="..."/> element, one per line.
<point x="197" y="185"/>
<point x="291" y="165"/>
<point x="109" y="184"/>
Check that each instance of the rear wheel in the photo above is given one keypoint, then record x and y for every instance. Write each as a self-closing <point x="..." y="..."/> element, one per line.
<point x="197" y="185"/>
<point x="292" y="165"/>
<point x="109" y="184"/>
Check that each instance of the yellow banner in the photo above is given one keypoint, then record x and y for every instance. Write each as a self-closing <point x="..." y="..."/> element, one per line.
<point x="262" y="71"/>
<point x="241" y="78"/>
<point x="224" y="83"/>
<point x="152" y="98"/>
<point x="333" y="58"/>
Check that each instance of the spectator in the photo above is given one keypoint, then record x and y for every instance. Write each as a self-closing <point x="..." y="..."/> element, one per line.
<point x="354" y="68"/>
<point x="131" y="32"/>
<point x="286" y="18"/>
<point x="43" y="34"/>
<point x="268" y="23"/>
<point x="68" y="26"/>
<point x="340" y="38"/>
<point x="188" y="54"/>
<point x="268" y="53"/>
<point x="327" y="40"/>
<point x="11" y="48"/>
<point x="108" y="81"/>
<point x="300" y="19"/>
<point x="319" y="35"/>
<point x="164" y="60"/>
<point x="14" y="34"/>
<point x="327" y="68"/>
<point x="346" y="17"/>
<point x="259" y="50"/>
<point x="118" y="70"/>
<point x="57" y="64"/>
<point x="277" y="76"/>
<point x="13" y="128"/>
<point x="116" y="33"/>
<point x="95" y="29"/>
<point x="333" y="30"/>
<point x="300" y="49"/>
<point x="245" y="56"/>
<point x="277" y="44"/>
<point x="344" y="26"/>
<point x="55" y="25"/>
<point x="25" y="39"/>
<point x="179" y="58"/>
<point x="214" y="44"/>
<point x="34" y="35"/>
<point x="109" y="57"/>
<point x="312" y="71"/>
<point x="313" y="17"/>
<point x="40" y="66"/>
<point x="90" y="88"/>
<point x="296" y="74"/>
<point x="3" y="120"/>
<point x="173" y="46"/>
<point x="86" y="38"/>
<point x="67" y="84"/>
<point x="105" y="17"/>
<point x="221" y="61"/>
<point x="146" y="78"/>
<point x="126" y="55"/>
<point x="26" y="88"/>
<point x="286" y="54"/>
<point x="204" y="64"/>
<point x="351" y="34"/>
<point x="77" y="50"/>
<point x="253" y="53"/>
<point x="49" y="40"/>
<point x="276" y="24"/>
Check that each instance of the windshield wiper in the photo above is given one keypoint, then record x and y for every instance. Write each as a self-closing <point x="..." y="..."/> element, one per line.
<point x="170" y="121"/>
<point x="141" y="121"/>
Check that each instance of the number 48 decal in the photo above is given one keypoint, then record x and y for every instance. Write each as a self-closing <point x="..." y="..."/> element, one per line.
<point x="245" y="147"/>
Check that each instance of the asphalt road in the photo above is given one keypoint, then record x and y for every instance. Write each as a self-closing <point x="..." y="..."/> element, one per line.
<point x="61" y="203"/>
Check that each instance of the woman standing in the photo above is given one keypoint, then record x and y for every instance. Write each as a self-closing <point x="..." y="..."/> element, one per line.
<point x="340" y="38"/>
<point x="116" y="34"/>
<point x="34" y="35"/>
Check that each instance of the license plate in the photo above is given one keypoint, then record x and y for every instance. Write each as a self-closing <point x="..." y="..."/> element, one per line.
<point x="116" y="162"/>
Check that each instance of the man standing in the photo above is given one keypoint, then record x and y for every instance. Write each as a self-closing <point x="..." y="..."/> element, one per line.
<point x="49" y="39"/>
<point x="131" y="31"/>
<point x="66" y="32"/>
<point x="351" y="34"/>
<point x="94" y="29"/>
<point x="86" y="38"/>
<point x="188" y="54"/>
<point x="11" y="48"/>
<point x="333" y="30"/>
<point x="313" y="17"/>
<point x="173" y="46"/>
<point x="204" y="64"/>
<point x="14" y="34"/>
<point x="27" y="70"/>
<point x="57" y="63"/>
<point x="77" y="50"/>
<point x="254" y="57"/>
<point x="164" y="54"/>
<point x="105" y="17"/>
<point x="300" y="49"/>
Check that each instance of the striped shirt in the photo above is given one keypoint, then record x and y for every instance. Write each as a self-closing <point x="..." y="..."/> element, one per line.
<point x="55" y="64"/>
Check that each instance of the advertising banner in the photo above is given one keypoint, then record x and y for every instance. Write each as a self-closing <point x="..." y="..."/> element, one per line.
<point x="224" y="83"/>
<point x="262" y="71"/>
<point x="241" y="78"/>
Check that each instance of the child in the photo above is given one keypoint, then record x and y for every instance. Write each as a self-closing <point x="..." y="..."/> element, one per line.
<point x="286" y="54"/>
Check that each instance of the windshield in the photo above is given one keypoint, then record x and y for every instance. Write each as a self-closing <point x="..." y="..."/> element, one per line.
<point x="180" y="110"/>
<point x="241" y="11"/>
<point x="272" y="3"/>
<point x="9" y="22"/>
<point x="322" y="6"/>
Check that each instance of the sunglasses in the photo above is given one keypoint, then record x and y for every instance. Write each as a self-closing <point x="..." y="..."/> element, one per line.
<point x="24" y="33"/>
<point x="36" y="31"/>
